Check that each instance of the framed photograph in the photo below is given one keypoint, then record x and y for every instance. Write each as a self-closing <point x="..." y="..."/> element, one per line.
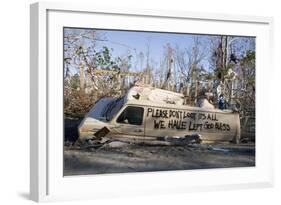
<point x="127" y="101"/>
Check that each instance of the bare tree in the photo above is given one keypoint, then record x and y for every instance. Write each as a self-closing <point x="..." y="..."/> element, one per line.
<point x="79" y="45"/>
<point x="168" y="80"/>
<point x="189" y="64"/>
<point x="147" y="70"/>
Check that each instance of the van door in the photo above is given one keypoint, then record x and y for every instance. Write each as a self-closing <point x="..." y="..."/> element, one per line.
<point x="130" y="124"/>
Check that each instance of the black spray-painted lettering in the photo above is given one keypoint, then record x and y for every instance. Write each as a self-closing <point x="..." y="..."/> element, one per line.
<point x="222" y="126"/>
<point x="208" y="125"/>
<point x="209" y="116"/>
<point x="157" y="113"/>
<point x="178" y="119"/>
<point x="177" y="124"/>
<point x="159" y="124"/>
<point x="195" y="126"/>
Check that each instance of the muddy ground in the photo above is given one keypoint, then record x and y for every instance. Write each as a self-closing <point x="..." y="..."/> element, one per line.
<point x="138" y="158"/>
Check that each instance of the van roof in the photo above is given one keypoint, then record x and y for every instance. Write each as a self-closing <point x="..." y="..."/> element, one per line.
<point x="154" y="97"/>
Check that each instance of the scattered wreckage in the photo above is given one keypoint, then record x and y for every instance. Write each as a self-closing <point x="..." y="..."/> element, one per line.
<point x="150" y="115"/>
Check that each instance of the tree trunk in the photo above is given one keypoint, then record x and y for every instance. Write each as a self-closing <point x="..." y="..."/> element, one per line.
<point x="82" y="79"/>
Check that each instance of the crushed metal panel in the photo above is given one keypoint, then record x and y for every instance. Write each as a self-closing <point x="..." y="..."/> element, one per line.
<point x="102" y="133"/>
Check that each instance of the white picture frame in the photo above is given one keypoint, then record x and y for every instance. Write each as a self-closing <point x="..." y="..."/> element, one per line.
<point x="46" y="179"/>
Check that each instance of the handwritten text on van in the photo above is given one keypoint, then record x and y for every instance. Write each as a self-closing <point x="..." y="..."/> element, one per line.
<point x="181" y="120"/>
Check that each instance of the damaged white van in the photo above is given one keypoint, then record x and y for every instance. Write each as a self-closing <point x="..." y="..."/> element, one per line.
<point x="146" y="115"/>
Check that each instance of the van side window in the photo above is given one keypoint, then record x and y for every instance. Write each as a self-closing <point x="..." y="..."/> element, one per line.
<point x="131" y="115"/>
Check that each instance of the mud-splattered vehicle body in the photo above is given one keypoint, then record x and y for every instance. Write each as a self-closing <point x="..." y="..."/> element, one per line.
<point x="146" y="114"/>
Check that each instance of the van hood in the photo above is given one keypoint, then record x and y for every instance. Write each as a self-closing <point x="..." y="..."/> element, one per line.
<point x="95" y="119"/>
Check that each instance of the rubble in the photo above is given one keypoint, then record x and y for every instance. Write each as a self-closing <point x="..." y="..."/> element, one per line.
<point x="116" y="144"/>
<point x="120" y="157"/>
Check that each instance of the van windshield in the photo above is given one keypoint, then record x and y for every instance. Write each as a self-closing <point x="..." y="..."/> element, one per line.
<point x="112" y="108"/>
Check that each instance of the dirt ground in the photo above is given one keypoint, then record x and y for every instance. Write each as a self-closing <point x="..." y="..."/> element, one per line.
<point x="138" y="158"/>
